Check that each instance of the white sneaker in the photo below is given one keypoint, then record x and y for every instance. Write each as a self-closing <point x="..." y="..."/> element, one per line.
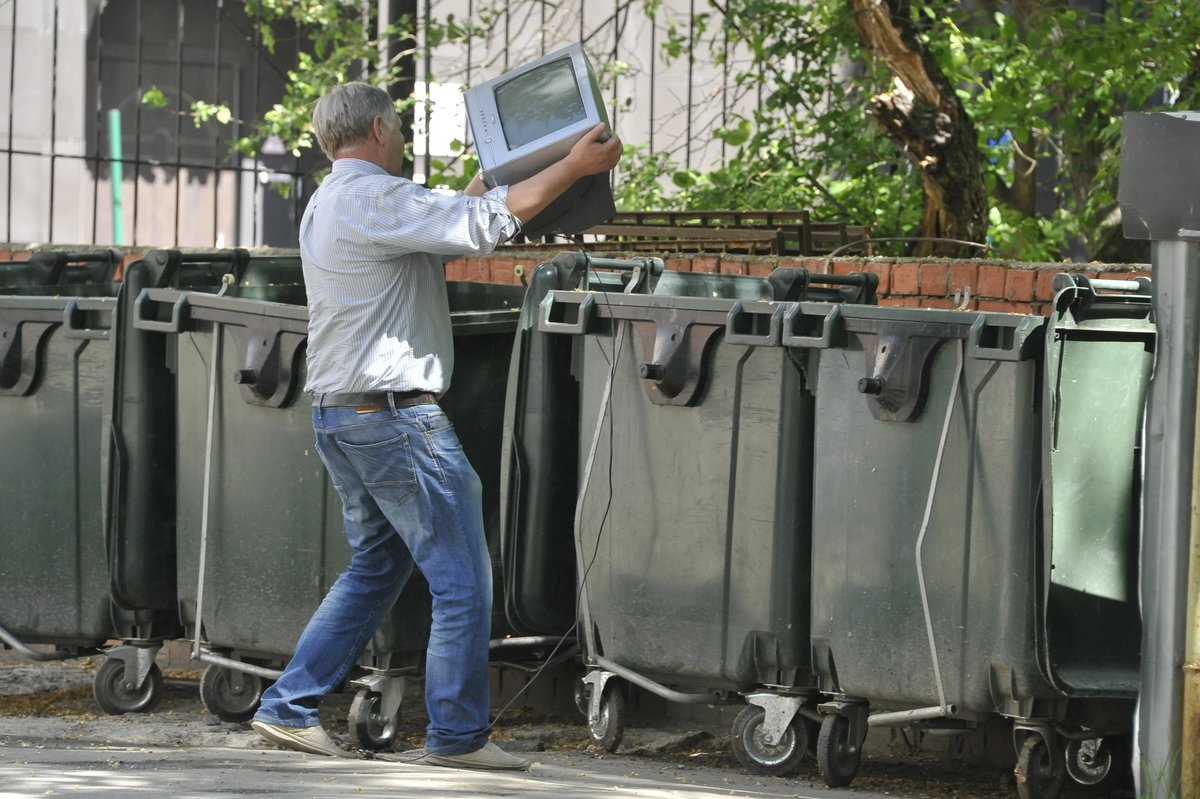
<point x="490" y="757"/>
<point x="313" y="740"/>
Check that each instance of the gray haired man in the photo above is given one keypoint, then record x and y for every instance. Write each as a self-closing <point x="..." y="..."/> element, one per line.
<point x="380" y="353"/>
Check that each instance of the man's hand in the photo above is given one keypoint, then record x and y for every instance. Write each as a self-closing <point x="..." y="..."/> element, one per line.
<point x="590" y="156"/>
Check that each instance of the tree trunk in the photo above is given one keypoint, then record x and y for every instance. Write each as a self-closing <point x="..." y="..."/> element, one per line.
<point x="925" y="118"/>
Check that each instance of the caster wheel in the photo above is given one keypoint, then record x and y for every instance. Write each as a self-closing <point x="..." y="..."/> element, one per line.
<point x="115" y="698"/>
<point x="1097" y="766"/>
<point x="368" y="728"/>
<point x="226" y="702"/>
<point x="1039" y="776"/>
<point x="760" y="757"/>
<point x="837" y="756"/>
<point x="607" y="734"/>
<point x="581" y="697"/>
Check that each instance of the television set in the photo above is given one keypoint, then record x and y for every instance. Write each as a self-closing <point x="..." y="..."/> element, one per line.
<point x="529" y="118"/>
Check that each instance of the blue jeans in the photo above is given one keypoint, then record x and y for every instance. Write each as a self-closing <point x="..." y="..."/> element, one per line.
<point x="409" y="495"/>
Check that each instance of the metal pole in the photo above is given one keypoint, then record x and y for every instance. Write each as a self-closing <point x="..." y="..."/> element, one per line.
<point x="178" y="111"/>
<point x="691" y="67"/>
<point x="137" y="125"/>
<point x="53" y="119"/>
<point x="12" y="88"/>
<point x="653" y="70"/>
<point x="429" y="88"/>
<point x="117" y="172"/>
<point x="99" y="72"/>
<point x="1170" y="439"/>
<point x="1190" y="722"/>
<point x="217" y="141"/>
<point x="256" y="188"/>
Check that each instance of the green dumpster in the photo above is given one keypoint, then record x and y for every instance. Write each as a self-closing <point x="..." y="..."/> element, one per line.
<point x="691" y="532"/>
<point x="260" y="531"/>
<point x="974" y="536"/>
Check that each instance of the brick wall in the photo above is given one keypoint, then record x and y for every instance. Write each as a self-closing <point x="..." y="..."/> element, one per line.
<point x="996" y="286"/>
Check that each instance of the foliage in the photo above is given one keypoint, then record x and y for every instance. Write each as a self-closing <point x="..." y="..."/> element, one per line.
<point x="1051" y="76"/>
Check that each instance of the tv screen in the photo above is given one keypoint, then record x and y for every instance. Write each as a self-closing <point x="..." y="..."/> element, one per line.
<point x="539" y="102"/>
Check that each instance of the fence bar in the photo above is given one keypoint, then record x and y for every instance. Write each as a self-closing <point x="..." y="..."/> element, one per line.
<point x="691" y="69"/>
<point x="53" y="119"/>
<point x="217" y="138"/>
<point x="137" y="126"/>
<point x="117" y="174"/>
<point x="178" y="111"/>
<point x="12" y="89"/>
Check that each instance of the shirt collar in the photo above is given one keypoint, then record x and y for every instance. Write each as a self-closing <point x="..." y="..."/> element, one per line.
<point x="358" y="165"/>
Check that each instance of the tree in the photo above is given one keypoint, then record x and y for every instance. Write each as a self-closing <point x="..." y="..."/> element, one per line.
<point x="966" y="99"/>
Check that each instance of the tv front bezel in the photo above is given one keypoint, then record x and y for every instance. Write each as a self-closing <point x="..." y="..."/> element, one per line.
<point x="491" y="145"/>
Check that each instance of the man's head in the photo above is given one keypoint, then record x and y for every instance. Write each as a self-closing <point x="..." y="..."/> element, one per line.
<point x="358" y="120"/>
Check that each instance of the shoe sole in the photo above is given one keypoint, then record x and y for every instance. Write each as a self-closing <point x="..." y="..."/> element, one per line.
<point x="273" y="735"/>
<point x="442" y="760"/>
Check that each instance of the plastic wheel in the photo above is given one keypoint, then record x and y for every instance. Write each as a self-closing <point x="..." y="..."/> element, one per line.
<point x="607" y="734"/>
<point x="837" y="756"/>
<point x="227" y="703"/>
<point x="1097" y="766"/>
<point x="1039" y="776"/>
<point x="115" y="698"/>
<point x="760" y="757"/>
<point x="581" y="697"/>
<point x="368" y="728"/>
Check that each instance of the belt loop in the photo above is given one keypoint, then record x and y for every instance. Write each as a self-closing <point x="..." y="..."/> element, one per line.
<point x="392" y="403"/>
<point x="321" y="407"/>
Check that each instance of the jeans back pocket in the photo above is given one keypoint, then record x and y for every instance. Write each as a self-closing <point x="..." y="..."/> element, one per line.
<point x="385" y="468"/>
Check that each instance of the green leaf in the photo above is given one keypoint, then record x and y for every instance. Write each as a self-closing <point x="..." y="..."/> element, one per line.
<point x="154" y="98"/>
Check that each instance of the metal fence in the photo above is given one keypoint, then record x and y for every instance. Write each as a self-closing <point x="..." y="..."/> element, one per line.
<point x="84" y="160"/>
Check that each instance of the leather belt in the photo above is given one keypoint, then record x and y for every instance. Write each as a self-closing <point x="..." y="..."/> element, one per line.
<point x="381" y="399"/>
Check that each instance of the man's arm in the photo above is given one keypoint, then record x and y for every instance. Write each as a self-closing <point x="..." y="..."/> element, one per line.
<point x="588" y="157"/>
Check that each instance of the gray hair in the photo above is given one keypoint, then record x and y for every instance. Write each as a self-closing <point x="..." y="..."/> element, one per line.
<point x="343" y="117"/>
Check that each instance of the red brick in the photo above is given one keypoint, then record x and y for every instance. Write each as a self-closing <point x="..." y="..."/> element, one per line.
<point x="991" y="282"/>
<point x="1045" y="284"/>
<point x="940" y="303"/>
<point x="935" y="280"/>
<point x="502" y="270"/>
<point x="456" y="270"/>
<point x="709" y="265"/>
<point x="679" y="264"/>
<point x="732" y="267"/>
<point x="119" y="272"/>
<point x="5" y="255"/>
<point x="1041" y="309"/>
<point x="961" y="276"/>
<point x="818" y="266"/>
<point x="893" y="302"/>
<point x="991" y="306"/>
<point x="761" y="269"/>
<point x="884" y="271"/>
<point x="479" y="270"/>
<point x="22" y="255"/>
<point x="906" y="279"/>
<point x="1018" y="285"/>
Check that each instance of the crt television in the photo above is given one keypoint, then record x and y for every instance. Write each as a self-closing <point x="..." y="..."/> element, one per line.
<point x="529" y="118"/>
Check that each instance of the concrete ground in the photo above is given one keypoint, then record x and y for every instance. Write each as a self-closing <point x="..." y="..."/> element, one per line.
<point x="54" y="740"/>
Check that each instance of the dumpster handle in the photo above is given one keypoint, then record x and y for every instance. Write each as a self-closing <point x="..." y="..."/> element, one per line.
<point x="178" y="310"/>
<point x="226" y="281"/>
<point x="69" y="313"/>
<point x="937" y="468"/>
<point x="29" y="654"/>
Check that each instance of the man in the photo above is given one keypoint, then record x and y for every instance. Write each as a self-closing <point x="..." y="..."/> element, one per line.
<point x="380" y="351"/>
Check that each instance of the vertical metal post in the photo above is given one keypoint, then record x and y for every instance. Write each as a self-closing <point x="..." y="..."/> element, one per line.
<point x="653" y="71"/>
<point x="12" y="89"/>
<point x="615" y="57"/>
<point x="53" y="119"/>
<point x="258" y="57"/>
<point x="1167" y="517"/>
<point x="98" y="72"/>
<point x="178" y="112"/>
<point x="724" y="84"/>
<point x="406" y="80"/>
<point x="117" y="175"/>
<point x="137" y="124"/>
<point x="429" y="88"/>
<point x="541" y="31"/>
<point x="1190" y="733"/>
<point x="582" y="6"/>
<point x="691" y="67"/>
<point x="217" y="142"/>
<point x="507" y="39"/>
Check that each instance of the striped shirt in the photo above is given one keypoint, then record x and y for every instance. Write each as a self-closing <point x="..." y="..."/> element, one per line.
<point x="373" y="248"/>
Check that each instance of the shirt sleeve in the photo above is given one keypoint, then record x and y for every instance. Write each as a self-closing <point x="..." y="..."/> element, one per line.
<point x="408" y="218"/>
